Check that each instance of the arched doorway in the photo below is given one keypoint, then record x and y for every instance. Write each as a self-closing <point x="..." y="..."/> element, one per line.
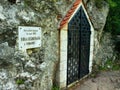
<point x="76" y="45"/>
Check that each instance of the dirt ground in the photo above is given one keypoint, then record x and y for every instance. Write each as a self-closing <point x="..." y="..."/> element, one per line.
<point x="103" y="81"/>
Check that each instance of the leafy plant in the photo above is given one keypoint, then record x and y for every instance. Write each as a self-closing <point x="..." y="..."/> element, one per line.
<point x="20" y="81"/>
<point x="55" y="88"/>
<point x="112" y="3"/>
<point x="110" y="65"/>
<point x="113" y="19"/>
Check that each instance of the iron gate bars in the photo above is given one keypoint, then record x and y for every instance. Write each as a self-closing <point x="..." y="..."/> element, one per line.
<point x="78" y="47"/>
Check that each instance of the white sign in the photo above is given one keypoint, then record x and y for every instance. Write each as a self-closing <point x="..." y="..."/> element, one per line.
<point x="29" y="37"/>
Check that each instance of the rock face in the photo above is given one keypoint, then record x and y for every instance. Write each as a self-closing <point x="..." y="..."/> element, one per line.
<point x="97" y="14"/>
<point x="35" y="71"/>
<point x="106" y="49"/>
<point x="6" y="52"/>
<point x="103" y="42"/>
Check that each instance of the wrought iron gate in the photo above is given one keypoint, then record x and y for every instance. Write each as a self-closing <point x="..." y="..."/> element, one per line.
<point x="78" y="47"/>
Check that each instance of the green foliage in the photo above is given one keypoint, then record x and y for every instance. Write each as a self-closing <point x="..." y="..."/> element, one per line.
<point x="20" y="81"/>
<point x="107" y="66"/>
<point x="113" y="19"/>
<point x="55" y="88"/>
<point x="112" y="3"/>
<point x="110" y="65"/>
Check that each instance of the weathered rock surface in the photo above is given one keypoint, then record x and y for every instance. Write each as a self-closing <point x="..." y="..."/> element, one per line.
<point x="19" y="71"/>
<point x="6" y="52"/>
<point x="97" y="14"/>
<point x="35" y="71"/>
<point x="103" y="42"/>
<point x="106" y="49"/>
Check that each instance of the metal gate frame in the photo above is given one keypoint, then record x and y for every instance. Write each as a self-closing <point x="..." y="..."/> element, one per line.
<point x="62" y="72"/>
<point x="78" y="46"/>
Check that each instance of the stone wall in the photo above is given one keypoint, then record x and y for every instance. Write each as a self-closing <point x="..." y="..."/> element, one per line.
<point x="36" y="71"/>
<point x="103" y="42"/>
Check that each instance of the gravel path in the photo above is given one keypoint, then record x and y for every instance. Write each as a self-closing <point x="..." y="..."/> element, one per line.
<point x="104" y="81"/>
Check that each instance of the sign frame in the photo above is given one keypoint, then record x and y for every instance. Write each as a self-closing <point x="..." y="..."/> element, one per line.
<point x="29" y="37"/>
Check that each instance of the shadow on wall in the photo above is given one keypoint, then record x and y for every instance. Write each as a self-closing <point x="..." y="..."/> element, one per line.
<point x="117" y="46"/>
<point x="12" y="1"/>
<point x="117" y="43"/>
